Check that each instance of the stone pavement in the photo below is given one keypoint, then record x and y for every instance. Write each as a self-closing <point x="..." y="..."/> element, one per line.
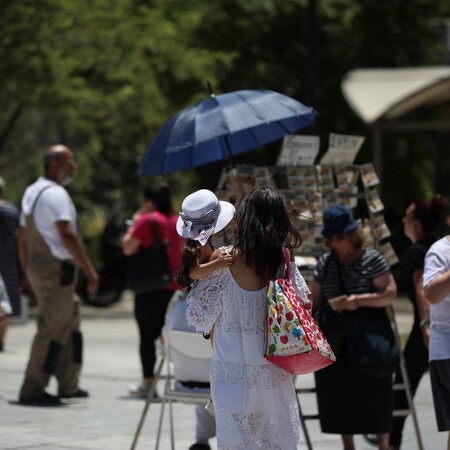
<point x="108" y="419"/>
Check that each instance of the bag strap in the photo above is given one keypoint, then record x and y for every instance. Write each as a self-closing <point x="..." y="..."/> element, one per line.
<point x="339" y="268"/>
<point x="341" y="280"/>
<point x="33" y="206"/>
<point x="287" y="260"/>
<point x="154" y="228"/>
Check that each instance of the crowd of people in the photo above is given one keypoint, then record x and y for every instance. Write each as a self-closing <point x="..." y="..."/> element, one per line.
<point x="224" y="286"/>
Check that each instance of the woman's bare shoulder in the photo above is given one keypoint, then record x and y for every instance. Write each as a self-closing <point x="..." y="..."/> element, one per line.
<point x="243" y="274"/>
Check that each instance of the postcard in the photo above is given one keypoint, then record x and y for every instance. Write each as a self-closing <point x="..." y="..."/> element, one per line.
<point x="298" y="150"/>
<point x="342" y="149"/>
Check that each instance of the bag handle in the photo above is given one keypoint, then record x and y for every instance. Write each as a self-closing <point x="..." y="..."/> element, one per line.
<point x="287" y="259"/>
<point x="286" y="271"/>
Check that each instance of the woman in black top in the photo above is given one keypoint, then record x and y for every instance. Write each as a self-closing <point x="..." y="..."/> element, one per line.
<point x="420" y="221"/>
<point x="349" y="402"/>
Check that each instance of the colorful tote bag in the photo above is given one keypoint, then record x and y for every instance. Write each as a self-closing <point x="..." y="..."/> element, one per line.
<point x="294" y="342"/>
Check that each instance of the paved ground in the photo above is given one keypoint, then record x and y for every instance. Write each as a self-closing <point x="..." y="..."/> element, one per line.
<point x="108" y="419"/>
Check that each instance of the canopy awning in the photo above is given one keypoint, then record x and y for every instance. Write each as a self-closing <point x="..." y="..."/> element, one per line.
<point x="378" y="95"/>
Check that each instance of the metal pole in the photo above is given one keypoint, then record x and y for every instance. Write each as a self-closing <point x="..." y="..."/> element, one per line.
<point x="406" y="386"/>
<point x="312" y="54"/>
<point x="378" y="154"/>
<point x="148" y="400"/>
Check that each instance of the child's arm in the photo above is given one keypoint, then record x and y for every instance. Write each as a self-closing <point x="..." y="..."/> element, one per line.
<point x="219" y="258"/>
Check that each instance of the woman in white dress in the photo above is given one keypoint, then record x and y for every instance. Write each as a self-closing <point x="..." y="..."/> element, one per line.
<point x="255" y="401"/>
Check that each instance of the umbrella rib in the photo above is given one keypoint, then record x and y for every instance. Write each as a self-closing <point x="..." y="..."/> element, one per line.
<point x="228" y="148"/>
<point x="255" y="137"/>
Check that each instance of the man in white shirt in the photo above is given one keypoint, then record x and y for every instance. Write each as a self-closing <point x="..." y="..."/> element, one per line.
<point x="50" y="250"/>
<point x="436" y="282"/>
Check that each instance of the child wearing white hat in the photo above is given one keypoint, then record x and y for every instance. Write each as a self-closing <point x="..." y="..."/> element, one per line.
<point x="202" y="216"/>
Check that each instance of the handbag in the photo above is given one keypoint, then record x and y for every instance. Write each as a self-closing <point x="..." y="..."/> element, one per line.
<point x="294" y="341"/>
<point x="149" y="269"/>
<point x="372" y="348"/>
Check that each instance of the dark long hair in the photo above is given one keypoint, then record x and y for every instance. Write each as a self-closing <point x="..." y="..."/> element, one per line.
<point x="430" y="213"/>
<point x="262" y="229"/>
<point x="189" y="253"/>
<point x="161" y="194"/>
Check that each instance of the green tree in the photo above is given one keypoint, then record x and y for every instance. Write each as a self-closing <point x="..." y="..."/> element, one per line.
<point x="104" y="76"/>
<point x="101" y="78"/>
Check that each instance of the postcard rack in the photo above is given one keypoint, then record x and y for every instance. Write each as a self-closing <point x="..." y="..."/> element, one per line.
<point x="308" y="190"/>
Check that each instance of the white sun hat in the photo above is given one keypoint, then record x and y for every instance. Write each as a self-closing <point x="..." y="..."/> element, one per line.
<point x="202" y="215"/>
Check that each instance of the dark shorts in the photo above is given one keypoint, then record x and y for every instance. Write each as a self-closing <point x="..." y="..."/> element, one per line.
<point x="440" y="384"/>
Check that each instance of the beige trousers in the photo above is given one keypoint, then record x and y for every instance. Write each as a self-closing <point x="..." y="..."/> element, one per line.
<point x="58" y="323"/>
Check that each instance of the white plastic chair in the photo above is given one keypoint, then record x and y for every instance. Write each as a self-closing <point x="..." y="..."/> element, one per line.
<point x="191" y="345"/>
<point x="194" y="347"/>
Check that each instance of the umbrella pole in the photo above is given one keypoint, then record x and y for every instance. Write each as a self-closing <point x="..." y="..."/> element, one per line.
<point x="210" y="89"/>
<point x="230" y="155"/>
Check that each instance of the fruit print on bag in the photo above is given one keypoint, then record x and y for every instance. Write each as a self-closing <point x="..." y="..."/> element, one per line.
<point x="285" y="331"/>
<point x="294" y="342"/>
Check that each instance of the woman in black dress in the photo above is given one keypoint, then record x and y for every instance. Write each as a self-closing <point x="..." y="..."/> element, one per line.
<point x="420" y="222"/>
<point x="351" y="403"/>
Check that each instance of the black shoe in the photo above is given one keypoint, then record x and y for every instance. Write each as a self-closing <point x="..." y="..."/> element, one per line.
<point x="371" y="439"/>
<point x="43" y="399"/>
<point x="199" y="447"/>
<point x="80" y="393"/>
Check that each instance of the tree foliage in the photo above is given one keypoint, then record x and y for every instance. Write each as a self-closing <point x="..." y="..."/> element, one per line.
<point x="103" y="76"/>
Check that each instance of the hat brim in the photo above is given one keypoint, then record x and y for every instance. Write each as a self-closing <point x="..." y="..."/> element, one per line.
<point x="224" y="218"/>
<point x="350" y="227"/>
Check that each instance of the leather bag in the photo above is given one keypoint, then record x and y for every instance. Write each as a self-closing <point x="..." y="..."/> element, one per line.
<point x="372" y="348"/>
<point x="149" y="269"/>
<point x="370" y="342"/>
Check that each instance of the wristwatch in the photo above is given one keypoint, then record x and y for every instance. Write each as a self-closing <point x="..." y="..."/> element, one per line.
<point x="424" y="324"/>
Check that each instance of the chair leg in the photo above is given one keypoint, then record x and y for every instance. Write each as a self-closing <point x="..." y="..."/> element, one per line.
<point x="304" y="427"/>
<point x="172" y="435"/>
<point x="148" y="400"/>
<point x="407" y="389"/>
<point x="161" y="417"/>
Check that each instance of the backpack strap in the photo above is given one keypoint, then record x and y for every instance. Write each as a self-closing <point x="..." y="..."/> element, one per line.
<point x="154" y="230"/>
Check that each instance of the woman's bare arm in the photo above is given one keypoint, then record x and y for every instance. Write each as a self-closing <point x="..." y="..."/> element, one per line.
<point x="385" y="294"/>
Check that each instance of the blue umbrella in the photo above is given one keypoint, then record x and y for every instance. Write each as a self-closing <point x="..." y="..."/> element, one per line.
<point x="221" y="127"/>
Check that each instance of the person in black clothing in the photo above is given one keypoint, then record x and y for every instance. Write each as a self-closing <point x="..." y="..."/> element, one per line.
<point x="421" y="220"/>
<point x="351" y="283"/>
<point x="150" y="307"/>
<point x="9" y="263"/>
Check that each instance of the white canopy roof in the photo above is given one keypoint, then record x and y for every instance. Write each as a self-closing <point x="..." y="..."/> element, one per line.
<point x="378" y="94"/>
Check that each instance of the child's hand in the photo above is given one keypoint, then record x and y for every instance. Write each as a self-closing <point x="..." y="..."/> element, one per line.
<point x="224" y="259"/>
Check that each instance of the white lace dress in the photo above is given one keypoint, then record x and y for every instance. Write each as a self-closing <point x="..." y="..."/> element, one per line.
<point x="254" y="400"/>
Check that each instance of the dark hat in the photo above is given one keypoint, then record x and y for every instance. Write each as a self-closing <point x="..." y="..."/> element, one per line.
<point x="337" y="219"/>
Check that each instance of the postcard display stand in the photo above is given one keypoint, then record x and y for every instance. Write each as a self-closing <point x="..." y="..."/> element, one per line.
<point x="308" y="190"/>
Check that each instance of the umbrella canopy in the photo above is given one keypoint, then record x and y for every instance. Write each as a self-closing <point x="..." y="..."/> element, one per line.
<point x="221" y="127"/>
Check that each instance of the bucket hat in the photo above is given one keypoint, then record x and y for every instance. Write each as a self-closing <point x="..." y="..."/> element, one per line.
<point x="337" y="219"/>
<point x="202" y="215"/>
